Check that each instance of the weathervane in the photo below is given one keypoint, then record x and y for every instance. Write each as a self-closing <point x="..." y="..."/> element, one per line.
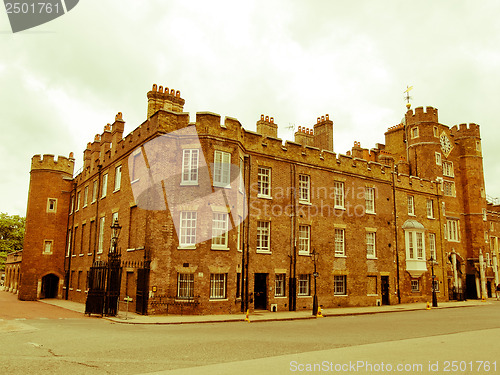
<point x="407" y="96"/>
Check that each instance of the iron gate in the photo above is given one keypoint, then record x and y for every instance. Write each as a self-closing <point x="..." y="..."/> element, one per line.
<point x="142" y="292"/>
<point x="104" y="286"/>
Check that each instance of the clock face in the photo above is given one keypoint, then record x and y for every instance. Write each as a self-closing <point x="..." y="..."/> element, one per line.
<point x="445" y="144"/>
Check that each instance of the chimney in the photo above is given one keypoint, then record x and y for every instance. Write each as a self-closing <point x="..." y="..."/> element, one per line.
<point x="169" y="100"/>
<point x="323" y="133"/>
<point x="304" y="136"/>
<point x="117" y="130"/>
<point x="267" y="127"/>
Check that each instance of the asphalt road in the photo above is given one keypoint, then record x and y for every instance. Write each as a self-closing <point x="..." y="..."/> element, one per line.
<point x="37" y="339"/>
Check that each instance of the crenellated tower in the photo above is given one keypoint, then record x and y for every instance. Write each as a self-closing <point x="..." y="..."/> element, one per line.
<point x="51" y="182"/>
<point x="468" y="143"/>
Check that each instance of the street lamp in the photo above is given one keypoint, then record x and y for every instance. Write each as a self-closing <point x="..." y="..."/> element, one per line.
<point x="115" y="233"/>
<point x="434" y="297"/>
<point x="314" y="258"/>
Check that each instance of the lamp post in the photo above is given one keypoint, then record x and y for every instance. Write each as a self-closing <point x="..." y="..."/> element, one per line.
<point x="434" y="297"/>
<point x="314" y="258"/>
<point x="115" y="233"/>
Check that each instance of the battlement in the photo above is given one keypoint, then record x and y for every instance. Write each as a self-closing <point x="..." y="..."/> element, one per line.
<point x="465" y="130"/>
<point x="419" y="115"/>
<point x="49" y="162"/>
<point x="395" y="128"/>
<point x="168" y="99"/>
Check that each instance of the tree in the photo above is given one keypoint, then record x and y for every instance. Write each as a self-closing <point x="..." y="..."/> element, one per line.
<point x="11" y="235"/>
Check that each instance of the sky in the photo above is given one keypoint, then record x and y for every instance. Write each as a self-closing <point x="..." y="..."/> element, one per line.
<point x="63" y="81"/>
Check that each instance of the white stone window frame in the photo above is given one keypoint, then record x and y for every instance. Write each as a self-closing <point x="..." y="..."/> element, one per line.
<point x="218" y="286"/>
<point x="190" y="165"/>
<point x="448" y="170"/>
<point x="222" y="169"/>
<point x="188" y="226"/>
<point x="304" y="285"/>
<point x="280" y="285"/>
<point x="339" y="190"/>
<point x="439" y="158"/>
<point x="220" y="222"/>
<point x="304" y="188"/>
<point x="339" y="242"/>
<point x="340" y="285"/>
<point x="411" y="205"/>
<point x="304" y="239"/>
<point x="263" y="245"/>
<point x="370" y="200"/>
<point x="185" y="286"/>
<point x="263" y="182"/>
<point x="118" y="178"/>
<point x="371" y="243"/>
<point x="430" y="209"/>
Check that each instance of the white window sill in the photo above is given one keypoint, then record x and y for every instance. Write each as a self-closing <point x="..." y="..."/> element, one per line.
<point x="280" y="297"/>
<point x="304" y="253"/>
<point x="134" y="181"/>
<point x="431" y="218"/>
<point x="193" y="247"/>
<point x="264" y="252"/>
<point x="372" y="295"/>
<point x="370" y="212"/>
<point x="218" y="247"/>
<point x="218" y="300"/>
<point x="72" y="255"/>
<point x="189" y="183"/>
<point x="70" y="288"/>
<point x="78" y="290"/>
<point x="264" y="196"/>
<point x="339" y="208"/>
<point x="307" y="203"/>
<point x="299" y="296"/>
<point x="373" y="258"/>
<point x="340" y="295"/>
<point x="411" y="215"/>
<point x="340" y="256"/>
<point x="89" y="253"/>
<point x="80" y="255"/>
<point x="117" y="190"/>
<point x="222" y="186"/>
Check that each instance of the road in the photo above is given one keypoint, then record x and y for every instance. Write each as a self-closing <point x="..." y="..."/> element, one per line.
<point x="41" y="339"/>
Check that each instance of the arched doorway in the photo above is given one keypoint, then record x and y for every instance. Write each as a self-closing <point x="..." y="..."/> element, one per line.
<point x="50" y="286"/>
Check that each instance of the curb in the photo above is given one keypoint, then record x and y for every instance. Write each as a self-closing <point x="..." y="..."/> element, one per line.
<point x="325" y="315"/>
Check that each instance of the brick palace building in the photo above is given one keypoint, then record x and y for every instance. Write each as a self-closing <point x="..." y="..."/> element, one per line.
<point x="218" y="219"/>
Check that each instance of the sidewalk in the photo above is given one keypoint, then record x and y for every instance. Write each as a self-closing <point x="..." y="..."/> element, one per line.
<point x="261" y="316"/>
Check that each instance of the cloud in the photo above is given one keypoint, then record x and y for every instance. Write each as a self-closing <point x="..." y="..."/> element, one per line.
<point x="293" y="60"/>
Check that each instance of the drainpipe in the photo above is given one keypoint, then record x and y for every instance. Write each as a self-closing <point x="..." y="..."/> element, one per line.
<point x="96" y="234"/>
<point x="455" y="272"/>
<point x="495" y="267"/>
<point x="292" y="285"/>
<point x="396" y="236"/>
<point x="482" y="268"/>
<point x="72" y="216"/>
<point x="246" y="237"/>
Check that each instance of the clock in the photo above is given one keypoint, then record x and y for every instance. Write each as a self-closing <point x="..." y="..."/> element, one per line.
<point x="445" y="144"/>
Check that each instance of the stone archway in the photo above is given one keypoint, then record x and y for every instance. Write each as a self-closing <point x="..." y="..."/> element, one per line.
<point x="50" y="286"/>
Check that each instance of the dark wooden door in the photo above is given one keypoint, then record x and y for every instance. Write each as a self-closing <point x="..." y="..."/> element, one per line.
<point x="384" y="280"/>
<point x="142" y="293"/>
<point x="260" y="291"/>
